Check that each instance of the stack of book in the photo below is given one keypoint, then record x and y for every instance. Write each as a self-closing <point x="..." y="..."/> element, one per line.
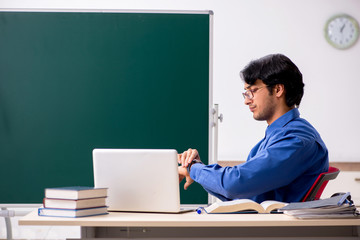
<point x="339" y="206"/>
<point x="74" y="202"/>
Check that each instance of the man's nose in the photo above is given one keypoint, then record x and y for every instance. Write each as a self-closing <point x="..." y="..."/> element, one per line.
<point x="247" y="101"/>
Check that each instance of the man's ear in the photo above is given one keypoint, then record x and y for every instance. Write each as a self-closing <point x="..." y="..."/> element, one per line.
<point x="279" y="90"/>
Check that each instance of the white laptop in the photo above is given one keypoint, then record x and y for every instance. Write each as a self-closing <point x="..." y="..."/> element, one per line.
<point x="139" y="180"/>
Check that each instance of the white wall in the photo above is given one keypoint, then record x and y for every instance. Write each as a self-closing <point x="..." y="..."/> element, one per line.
<point x="249" y="29"/>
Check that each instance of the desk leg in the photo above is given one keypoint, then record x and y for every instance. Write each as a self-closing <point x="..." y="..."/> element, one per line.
<point x="87" y="232"/>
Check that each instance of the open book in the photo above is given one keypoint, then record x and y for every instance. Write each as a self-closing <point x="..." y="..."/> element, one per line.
<point x="244" y="205"/>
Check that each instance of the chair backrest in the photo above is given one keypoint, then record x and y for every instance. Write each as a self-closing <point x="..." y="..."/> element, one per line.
<point x="320" y="183"/>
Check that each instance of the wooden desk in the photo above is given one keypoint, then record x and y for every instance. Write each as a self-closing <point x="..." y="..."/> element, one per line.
<point x="186" y="225"/>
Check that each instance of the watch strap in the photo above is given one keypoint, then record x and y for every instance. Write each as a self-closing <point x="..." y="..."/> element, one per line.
<point x="193" y="162"/>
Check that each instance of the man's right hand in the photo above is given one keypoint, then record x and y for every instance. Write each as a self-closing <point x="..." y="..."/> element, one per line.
<point x="187" y="157"/>
<point x="183" y="173"/>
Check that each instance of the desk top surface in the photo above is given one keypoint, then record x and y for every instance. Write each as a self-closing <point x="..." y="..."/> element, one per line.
<point x="189" y="219"/>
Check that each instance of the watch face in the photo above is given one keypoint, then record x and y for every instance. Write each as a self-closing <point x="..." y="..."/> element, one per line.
<point x="342" y="31"/>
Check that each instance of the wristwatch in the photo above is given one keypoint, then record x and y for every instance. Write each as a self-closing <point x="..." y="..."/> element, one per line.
<point x="193" y="162"/>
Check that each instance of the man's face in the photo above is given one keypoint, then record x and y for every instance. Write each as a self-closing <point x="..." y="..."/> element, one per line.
<point x="261" y="103"/>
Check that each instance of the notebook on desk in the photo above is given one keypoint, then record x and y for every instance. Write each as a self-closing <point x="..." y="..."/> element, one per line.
<point x="138" y="180"/>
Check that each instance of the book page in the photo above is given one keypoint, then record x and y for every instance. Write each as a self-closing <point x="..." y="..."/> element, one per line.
<point x="237" y="201"/>
<point x="234" y="206"/>
<point x="271" y="205"/>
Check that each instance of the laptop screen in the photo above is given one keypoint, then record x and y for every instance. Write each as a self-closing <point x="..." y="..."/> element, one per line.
<point x="140" y="180"/>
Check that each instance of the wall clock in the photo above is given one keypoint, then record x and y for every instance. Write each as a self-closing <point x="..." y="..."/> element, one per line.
<point x="342" y="31"/>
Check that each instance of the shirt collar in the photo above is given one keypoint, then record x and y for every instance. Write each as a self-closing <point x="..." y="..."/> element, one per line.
<point x="283" y="120"/>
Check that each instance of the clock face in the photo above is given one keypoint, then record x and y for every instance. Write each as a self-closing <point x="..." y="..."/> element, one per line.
<point x="342" y="31"/>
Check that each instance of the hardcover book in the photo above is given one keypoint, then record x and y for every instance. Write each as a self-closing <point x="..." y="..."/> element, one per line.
<point x="72" y="213"/>
<point x="75" y="192"/>
<point x="74" y="204"/>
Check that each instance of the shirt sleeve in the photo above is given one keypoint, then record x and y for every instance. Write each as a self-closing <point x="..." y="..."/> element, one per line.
<point x="273" y="167"/>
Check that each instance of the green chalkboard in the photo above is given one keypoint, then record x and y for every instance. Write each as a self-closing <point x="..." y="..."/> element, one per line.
<point x="74" y="81"/>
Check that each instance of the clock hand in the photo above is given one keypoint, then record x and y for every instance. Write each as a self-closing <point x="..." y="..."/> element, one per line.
<point x="342" y="28"/>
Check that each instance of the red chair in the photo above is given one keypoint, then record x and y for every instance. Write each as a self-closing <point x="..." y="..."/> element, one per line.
<point x="320" y="183"/>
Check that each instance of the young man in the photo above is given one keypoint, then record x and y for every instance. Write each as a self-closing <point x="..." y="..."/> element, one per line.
<point x="285" y="163"/>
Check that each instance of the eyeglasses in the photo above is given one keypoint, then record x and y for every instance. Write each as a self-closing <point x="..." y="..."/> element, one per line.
<point x="249" y="94"/>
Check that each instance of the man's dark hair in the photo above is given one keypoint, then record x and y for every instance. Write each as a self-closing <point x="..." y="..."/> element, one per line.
<point x="276" y="69"/>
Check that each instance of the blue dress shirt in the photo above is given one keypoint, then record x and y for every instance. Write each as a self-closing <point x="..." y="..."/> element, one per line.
<point x="282" y="166"/>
